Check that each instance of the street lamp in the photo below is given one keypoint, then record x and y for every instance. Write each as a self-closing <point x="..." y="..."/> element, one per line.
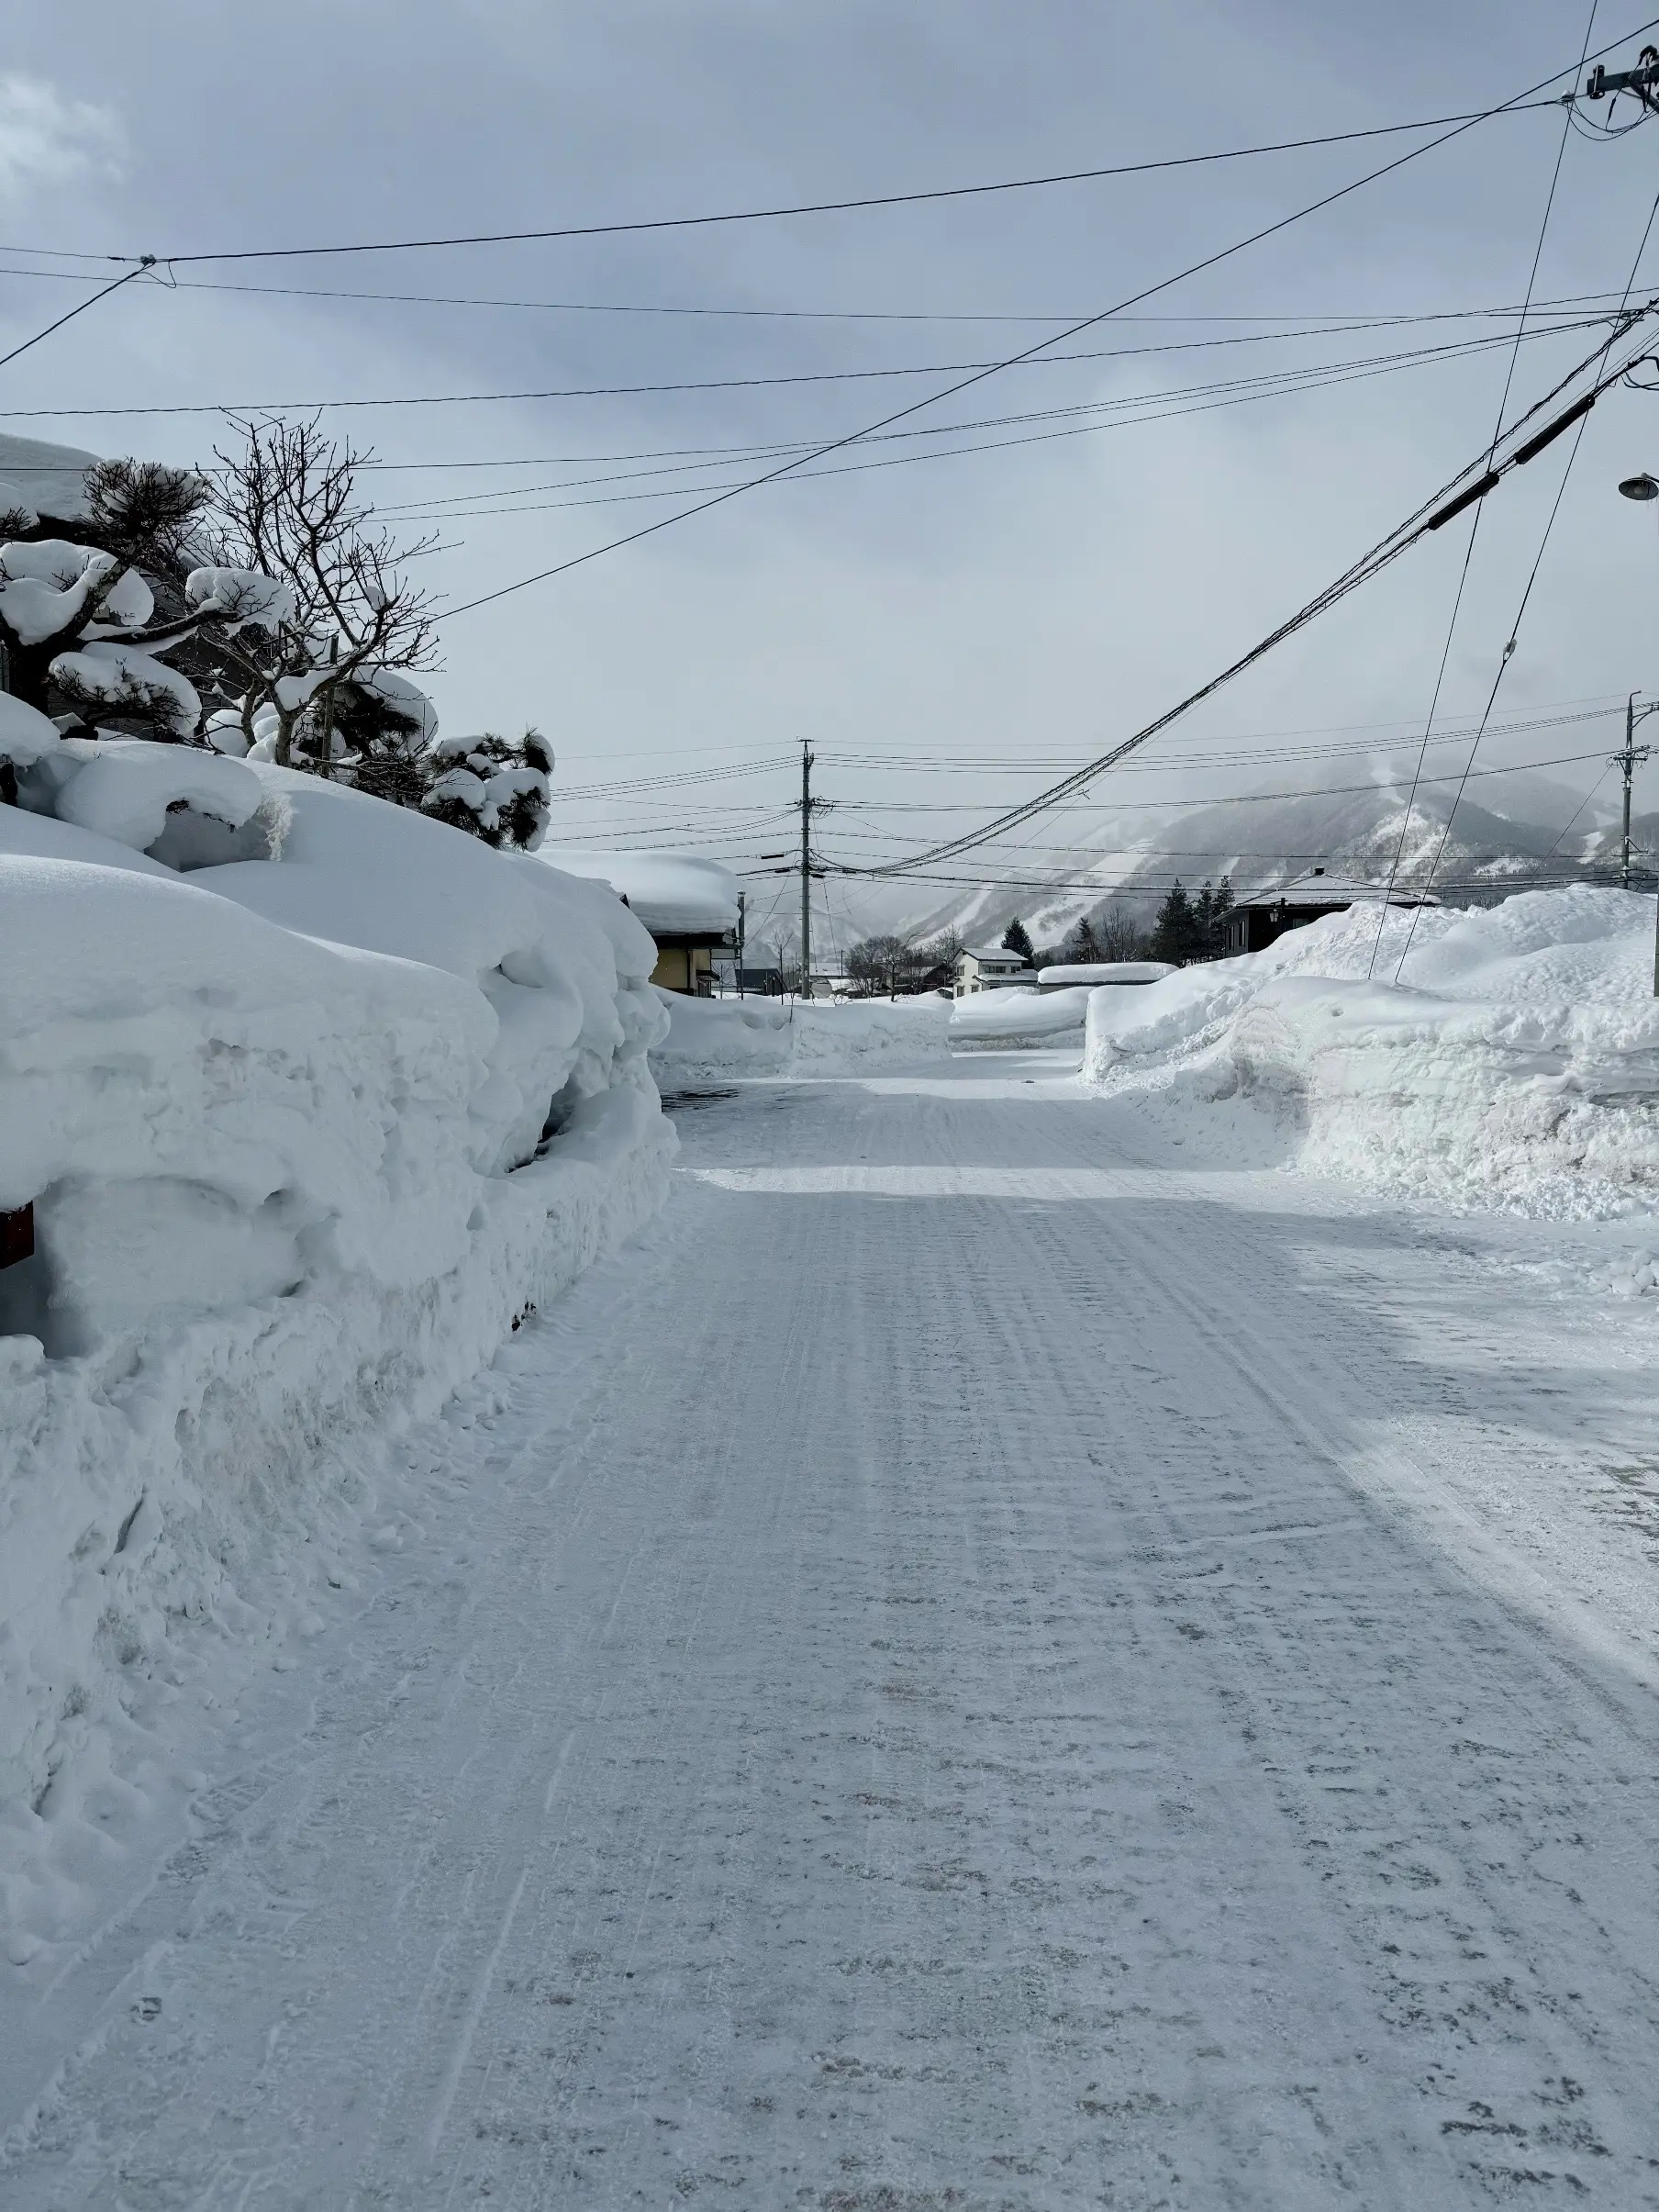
<point x="1641" y="487"/>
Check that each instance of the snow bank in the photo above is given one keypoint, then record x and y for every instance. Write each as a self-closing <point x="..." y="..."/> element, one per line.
<point x="1104" y="971"/>
<point x="302" y="1135"/>
<point x="1517" y="1062"/>
<point x="709" y="1038"/>
<point x="124" y="788"/>
<point x="1019" y="1017"/>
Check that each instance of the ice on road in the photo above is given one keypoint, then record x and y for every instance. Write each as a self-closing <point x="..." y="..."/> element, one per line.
<point x="977" y="1665"/>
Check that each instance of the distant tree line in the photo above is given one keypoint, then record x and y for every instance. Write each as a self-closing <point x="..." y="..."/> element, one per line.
<point x="891" y="967"/>
<point x="1189" y="926"/>
<point x="1192" y="927"/>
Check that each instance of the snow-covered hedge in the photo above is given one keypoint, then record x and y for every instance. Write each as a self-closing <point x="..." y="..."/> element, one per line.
<point x="1516" y="1061"/>
<point x="304" y="1129"/>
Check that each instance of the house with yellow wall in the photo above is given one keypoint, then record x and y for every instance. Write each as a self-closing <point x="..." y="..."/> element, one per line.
<point x="689" y="905"/>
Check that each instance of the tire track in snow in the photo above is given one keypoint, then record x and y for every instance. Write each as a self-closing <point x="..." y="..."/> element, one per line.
<point x="967" y="1713"/>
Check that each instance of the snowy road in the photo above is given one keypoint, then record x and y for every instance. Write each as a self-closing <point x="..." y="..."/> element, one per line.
<point x="980" y="1667"/>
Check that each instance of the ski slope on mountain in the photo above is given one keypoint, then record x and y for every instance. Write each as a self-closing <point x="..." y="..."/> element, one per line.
<point x="980" y="1664"/>
<point x="1506" y="832"/>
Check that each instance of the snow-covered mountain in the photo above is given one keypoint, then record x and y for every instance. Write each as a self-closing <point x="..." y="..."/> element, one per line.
<point x="1508" y="833"/>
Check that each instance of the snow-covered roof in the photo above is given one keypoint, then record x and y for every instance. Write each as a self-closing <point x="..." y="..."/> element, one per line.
<point x="1107" y="971"/>
<point x="998" y="956"/>
<point x="1317" y="888"/>
<point x="674" y="894"/>
<point x="44" y="479"/>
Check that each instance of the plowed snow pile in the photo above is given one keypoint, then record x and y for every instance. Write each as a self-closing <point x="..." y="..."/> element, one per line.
<point x="709" y="1038"/>
<point x="1516" y="1063"/>
<point x="1019" y="1016"/>
<point x="303" y="1130"/>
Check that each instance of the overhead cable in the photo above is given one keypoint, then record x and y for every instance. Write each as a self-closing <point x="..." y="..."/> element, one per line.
<point x="80" y="308"/>
<point x="1520" y="105"/>
<point x="1232" y="392"/>
<point x="1371" y="564"/>
<point x="1478" y="490"/>
<point x="1508" y="651"/>
<point x="1013" y="361"/>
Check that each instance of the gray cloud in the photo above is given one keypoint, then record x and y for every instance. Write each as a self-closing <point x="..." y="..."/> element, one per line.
<point x="1025" y="605"/>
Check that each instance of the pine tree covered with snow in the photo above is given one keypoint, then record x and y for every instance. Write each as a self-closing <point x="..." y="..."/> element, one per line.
<point x="289" y="615"/>
<point x="495" y="787"/>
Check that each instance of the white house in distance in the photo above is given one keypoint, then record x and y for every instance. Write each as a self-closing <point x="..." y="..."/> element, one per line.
<point x="990" y="967"/>
<point x="690" y="907"/>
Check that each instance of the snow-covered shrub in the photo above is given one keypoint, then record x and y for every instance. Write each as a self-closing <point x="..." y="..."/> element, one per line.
<point x="80" y="633"/>
<point x="495" y="787"/>
<point x="105" y="681"/>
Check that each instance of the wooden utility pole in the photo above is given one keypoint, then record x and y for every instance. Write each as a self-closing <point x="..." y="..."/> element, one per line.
<point x="806" y="991"/>
<point x="1626" y="761"/>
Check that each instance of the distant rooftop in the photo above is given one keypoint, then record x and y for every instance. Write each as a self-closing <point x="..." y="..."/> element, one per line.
<point x="1107" y="971"/>
<point x="43" y="479"/>
<point x="674" y="894"/>
<point x="1317" y="888"/>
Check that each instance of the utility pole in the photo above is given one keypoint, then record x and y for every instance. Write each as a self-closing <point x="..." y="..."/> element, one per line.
<point x="806" y="991"/>
<point x="742" y="936"/>
<point x="1626" y="761"/>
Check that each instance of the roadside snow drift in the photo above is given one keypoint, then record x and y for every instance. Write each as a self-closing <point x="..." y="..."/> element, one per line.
<point x="1516" y="1061"/>
<point x="1019" y="1017"/>
<point x="303" y="1130"/>
<point x="708" y="1038"/>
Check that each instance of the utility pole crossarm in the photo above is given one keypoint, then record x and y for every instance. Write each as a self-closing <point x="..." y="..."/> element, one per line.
<point x="1640" y="80"/>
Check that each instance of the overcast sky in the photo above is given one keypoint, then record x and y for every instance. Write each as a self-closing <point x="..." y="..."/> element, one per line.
<point x="1025" y="605"/>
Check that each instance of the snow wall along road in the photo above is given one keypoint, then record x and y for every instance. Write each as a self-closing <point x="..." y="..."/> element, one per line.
<point x="307" y="1121"/>
<point x="1515" y="1063"/>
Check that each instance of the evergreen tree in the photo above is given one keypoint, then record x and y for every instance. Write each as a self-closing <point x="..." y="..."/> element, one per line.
<point x="1083" y="946"/>
<point x="1220" y="906"/>
<point x="1203" y="922"/>
<point x="1174" y="935"/>
<point x="1017" y="938"/>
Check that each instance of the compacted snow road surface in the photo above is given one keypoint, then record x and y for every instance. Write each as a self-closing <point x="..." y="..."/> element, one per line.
<point x="978" y="1666"/>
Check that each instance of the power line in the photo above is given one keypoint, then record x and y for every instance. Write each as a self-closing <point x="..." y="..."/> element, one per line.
<point x="903" y="315"/>
<point x="79" y="308"/>
<point x="674" y="386"/>
<point x="1239" y="392"/>
<point x="1013" y="361"/>
<point x="1429" y="517"/>
<point x="1054" y="885"/>
<point x="1339" y="317"/>
<point x="1526" y="597"/>
<point x="1252" y="799"/>
<point x="884" y="199"/>
<point x="1463" y="579"/>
